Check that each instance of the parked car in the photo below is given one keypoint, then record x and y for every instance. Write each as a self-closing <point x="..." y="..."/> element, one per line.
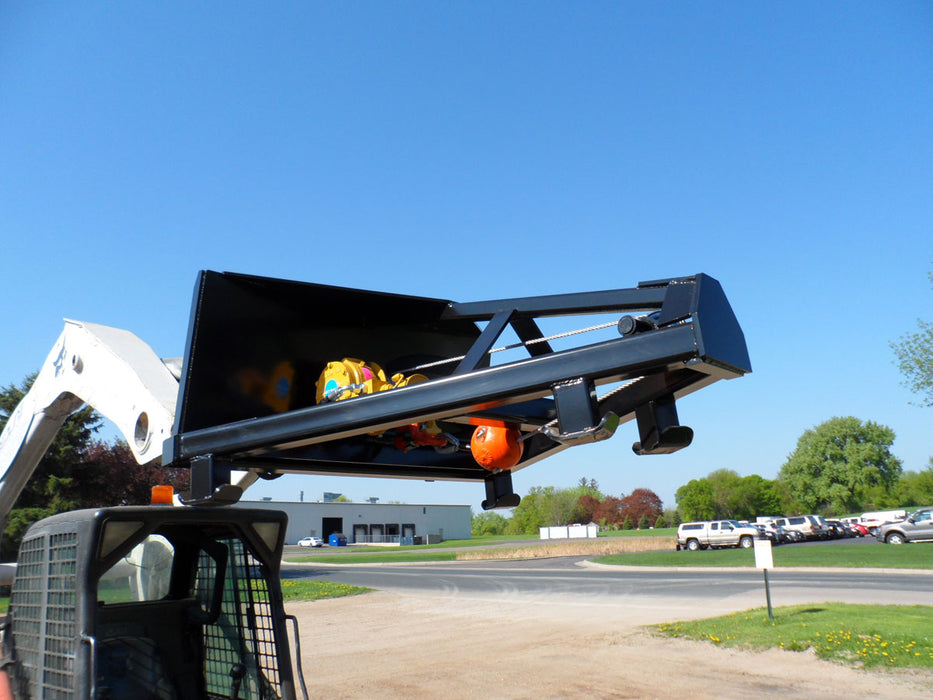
<point x="838" y="529"/>
<point x="918" y="527"/>
<point x="310" y="542"/>
<point x="876" y="519"/>
<point x="858" y="530"/>
<point x="763" y="532"/>
<point x="780" y="535"/>
<point x="715" y="533"/>
<point x="812" y="527"/>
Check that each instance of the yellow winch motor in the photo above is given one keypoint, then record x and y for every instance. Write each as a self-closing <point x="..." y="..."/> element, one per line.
<point x="350" y="377"/>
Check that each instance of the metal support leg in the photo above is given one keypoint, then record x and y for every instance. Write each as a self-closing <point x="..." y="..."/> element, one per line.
<point x="499" y="493"/>
<point x="659" y="429"/>
<point x="210" y="483"/>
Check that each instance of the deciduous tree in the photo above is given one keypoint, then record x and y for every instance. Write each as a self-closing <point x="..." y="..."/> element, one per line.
<point x="587" y="508"/>
<point x="695" y="500"/>
<point x="489" y="522"/>
<point x="914" y="354"/>
<point x="642" y="503"/>
<point x="609" y="512"/>
<point x="836" y="462"/>
<point x="912" y="489"/>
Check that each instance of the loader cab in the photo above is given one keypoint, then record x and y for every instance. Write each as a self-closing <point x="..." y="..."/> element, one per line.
<point x="151" y="602"/>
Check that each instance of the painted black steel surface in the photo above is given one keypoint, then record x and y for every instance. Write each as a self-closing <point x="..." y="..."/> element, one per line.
<point x="241" y="327"/>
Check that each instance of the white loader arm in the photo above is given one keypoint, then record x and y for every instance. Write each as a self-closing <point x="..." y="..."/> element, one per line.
<point x="110" y="369"/>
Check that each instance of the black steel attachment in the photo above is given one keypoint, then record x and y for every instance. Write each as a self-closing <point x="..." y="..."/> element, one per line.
<point x="578" y="415"/>
<point x="499" y="493"/>
<point x="257" y="346"/>
<point x="659" y="429"/>
<point x="210" y="483"/>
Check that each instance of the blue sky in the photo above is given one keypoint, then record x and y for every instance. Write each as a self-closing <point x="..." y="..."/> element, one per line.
<point x="481" y="150"/>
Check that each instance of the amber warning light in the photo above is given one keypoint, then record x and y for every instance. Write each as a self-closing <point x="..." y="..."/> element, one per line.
<point x="162" y="495"/>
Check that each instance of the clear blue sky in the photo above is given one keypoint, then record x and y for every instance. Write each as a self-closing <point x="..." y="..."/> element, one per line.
<point x="482" y="150"/>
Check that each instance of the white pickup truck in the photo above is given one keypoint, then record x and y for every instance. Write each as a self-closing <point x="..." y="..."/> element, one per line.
<point x="710" y="534"/>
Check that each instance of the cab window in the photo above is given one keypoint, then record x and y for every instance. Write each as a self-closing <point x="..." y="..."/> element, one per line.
<point x="143" y="574"/>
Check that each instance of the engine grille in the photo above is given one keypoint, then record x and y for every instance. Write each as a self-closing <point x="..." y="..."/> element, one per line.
<point x="43" y="604"/>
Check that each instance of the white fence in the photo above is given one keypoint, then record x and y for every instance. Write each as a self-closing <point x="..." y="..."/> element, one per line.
<point x="569" y="532"/>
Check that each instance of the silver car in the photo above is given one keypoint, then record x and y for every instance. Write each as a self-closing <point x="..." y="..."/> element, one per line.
<point x="918" y="527"/>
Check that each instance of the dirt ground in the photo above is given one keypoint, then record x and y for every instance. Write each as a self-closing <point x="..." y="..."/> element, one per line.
<point x="386" y="645"/>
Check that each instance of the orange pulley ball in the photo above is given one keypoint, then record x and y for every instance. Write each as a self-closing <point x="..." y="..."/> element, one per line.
<point x="496" y="447"/>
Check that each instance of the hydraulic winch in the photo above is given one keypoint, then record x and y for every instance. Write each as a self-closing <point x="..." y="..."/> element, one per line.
<point x="350" y="377"/>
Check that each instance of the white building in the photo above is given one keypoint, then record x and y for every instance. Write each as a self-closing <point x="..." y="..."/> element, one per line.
<point x="371" y="522"/>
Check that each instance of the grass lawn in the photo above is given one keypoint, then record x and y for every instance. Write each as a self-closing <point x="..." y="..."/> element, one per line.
<point x="868" y="636"/>
<point x="316" y="590"/>
<point x="909" y="556"/>
<point x="653" y="532"/>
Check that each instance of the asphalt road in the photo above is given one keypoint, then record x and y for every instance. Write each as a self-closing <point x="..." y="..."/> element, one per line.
<point x="571" y="579"/>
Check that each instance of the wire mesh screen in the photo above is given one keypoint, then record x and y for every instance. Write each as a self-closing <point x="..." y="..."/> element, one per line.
<point x="241" y="643"/>
<point x="44" y="625"/>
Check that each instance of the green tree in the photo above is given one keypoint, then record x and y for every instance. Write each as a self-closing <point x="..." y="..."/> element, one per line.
<point x="627" y="524"/>
<point x="547" y="505"/>
<point x="589" y="486"/>
<point x="673" y="516"/>
<point x="660" y="522"/>
<point x="725" y="487"/>
<point x="914" y="354"/>
<point x="835" y="464"/>
<point x="752" y="496"/>
<point x="695" y="500"/>
<point x="724" y="494"/>
<point x="912" y="489"/>
<point x="558" y="506"/>
<point x="643" y="523"/>
<point x="526" y="518"/>
<point x="489" y="523"/>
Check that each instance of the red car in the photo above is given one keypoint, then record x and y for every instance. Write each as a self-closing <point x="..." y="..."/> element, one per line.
<point x="859" y="528"/>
